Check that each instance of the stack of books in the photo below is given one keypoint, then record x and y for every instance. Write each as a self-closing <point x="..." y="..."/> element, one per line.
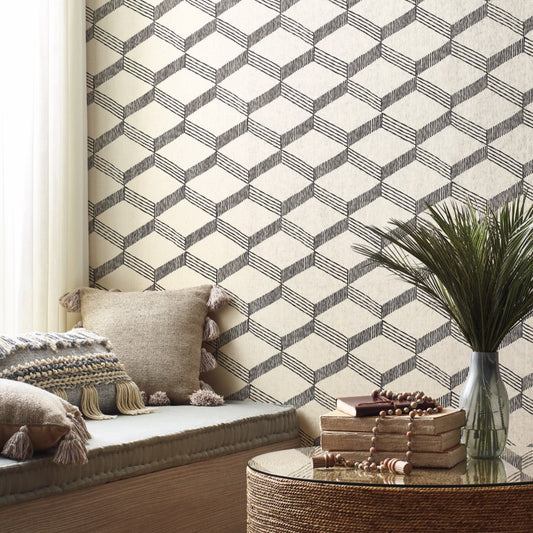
<point x="435" y="440"/>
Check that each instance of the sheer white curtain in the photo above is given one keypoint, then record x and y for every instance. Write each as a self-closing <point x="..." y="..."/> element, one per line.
<point x="43" y="161"/>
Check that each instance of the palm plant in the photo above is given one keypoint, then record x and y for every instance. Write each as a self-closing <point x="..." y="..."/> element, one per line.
<point x="478" y="267"/>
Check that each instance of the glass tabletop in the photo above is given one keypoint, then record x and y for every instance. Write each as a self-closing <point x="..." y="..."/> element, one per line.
<point x="515" y="467"/>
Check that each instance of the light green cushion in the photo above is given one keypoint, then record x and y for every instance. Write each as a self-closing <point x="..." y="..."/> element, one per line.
<point x="172" y="436"/>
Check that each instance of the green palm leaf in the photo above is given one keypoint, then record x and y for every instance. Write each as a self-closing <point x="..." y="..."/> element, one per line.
<point x="478" y="267"/>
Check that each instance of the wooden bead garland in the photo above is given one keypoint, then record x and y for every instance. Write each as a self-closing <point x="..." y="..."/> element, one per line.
<point x="416" y="401"/>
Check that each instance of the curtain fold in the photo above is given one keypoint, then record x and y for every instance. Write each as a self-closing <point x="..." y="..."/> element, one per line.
<point x="43" y="162"/>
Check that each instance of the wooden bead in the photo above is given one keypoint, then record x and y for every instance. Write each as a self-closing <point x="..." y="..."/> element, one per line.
<point x="349" y="463"/>
<point x="382" y="414"/>
<point x="375" y="430"/>
<point x="373" y="440"/>
<point x="414" y="405"/>
<point x="410" y="425"/>
<point x="375" y="392"/>
<point x="390" y="412"/>
<point x="409" y="434"/>
<point x="372" y="450"/>
<point x="406" y="410"/>
<point x="398" y="412"/>
<point x="408" y="454"/>
<point x="412" y="414"/>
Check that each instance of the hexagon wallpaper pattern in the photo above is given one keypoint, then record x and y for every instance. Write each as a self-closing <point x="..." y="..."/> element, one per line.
<point x="250" y="143"/>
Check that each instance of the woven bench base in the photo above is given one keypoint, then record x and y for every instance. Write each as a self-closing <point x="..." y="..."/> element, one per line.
<point x="286" y="505"/>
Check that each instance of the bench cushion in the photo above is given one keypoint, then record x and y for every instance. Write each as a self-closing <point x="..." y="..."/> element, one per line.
<point x="128" y="446"/>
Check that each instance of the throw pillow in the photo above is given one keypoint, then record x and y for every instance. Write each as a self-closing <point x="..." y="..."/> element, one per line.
<point x="158" y="335"/>
<point x="34" y="419"/>
<point x="77" y="366"/>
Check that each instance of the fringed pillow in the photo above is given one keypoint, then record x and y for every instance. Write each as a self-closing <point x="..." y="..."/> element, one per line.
<point x="78" y="366"/>
<point x="33" y="419"/>
<point x="158" y="335"/>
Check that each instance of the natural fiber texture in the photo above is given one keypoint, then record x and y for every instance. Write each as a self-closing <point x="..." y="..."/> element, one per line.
<point x="34" y="419"/>
<point x="159" y="398"/>
<point x="156" y="334"/>
<point x="72" y="374"/>
<point x="206" y="396"/>
<point x="217" y="298"/>
<point x="211" y="331"/>
<point x="282" y="505"/>
<point x="39" y="341"/>
<point x="207" y="361"/>
<point x="71" y="301"/>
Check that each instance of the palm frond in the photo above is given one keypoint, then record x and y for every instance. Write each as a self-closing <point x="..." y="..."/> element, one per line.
<point x="478" y="267"/>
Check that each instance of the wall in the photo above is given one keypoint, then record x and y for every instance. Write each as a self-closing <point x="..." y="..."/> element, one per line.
<point x="251" y="143"/>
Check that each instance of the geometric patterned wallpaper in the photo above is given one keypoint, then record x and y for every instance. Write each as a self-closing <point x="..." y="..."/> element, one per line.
<point x="251" y="143"/>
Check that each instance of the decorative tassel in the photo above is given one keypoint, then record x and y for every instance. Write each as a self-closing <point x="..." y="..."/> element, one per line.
<point x="61" y="393"/>
<point x="129" y="400"/>
<point x="19" y="445"/>
<point x="206" y="396"/>
<point x="144" y="397"/>
<point x="218" y="298"/>
<point x="207" y="361"/>
<point x="159" y="398"/>
<point x="71" y="450"/>
<point x="71" y="301"/>
<point x="89" y="404"/>
<point x="211" y="331"/>
<point x="206" y="386"/>
<point x="79" y="427"/>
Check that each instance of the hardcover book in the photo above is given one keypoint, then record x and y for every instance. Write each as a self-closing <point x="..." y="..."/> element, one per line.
<point x="432" y="424"/>
<point x="392" y="442"/>
<point x="446" y="459"/>
<point x="369" y="405"/>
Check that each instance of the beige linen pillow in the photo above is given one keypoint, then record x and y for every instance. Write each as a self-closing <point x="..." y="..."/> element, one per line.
<point x="157" y="335"/>
<point x="34" y="419"/>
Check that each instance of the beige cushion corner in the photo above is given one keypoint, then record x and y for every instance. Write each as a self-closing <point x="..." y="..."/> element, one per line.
<point x="157" y="335"/>
<point x="44" y="413"/>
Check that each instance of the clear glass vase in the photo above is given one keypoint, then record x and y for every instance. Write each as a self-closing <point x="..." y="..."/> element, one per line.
<point x="486" y="403"/>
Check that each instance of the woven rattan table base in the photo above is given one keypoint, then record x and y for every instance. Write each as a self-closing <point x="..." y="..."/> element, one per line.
<point x="287" y="505"/>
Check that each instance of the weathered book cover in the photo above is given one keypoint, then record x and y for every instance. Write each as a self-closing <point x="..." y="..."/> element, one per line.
<point x="446" y="459"/>
<point x="433" y="424"/>
<point x="393" y="442"/>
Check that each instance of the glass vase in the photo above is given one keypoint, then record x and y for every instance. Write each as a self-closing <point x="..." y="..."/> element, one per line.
<point x="486" y="403"/>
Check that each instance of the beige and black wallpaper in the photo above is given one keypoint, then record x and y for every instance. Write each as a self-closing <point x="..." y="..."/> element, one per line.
<point x="252" y="142"/>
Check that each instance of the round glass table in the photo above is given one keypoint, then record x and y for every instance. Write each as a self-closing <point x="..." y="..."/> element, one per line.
<point x="286" y="494"/>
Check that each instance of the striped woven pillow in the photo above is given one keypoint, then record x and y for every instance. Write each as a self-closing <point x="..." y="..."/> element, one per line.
<point x="78" y="366"/>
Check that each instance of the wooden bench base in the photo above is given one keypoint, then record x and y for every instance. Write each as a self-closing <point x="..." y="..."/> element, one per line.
<point x="200" y="497"/>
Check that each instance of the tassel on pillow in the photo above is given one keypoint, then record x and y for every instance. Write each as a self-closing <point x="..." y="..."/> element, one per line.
<point x="207" y="361"/>
<point x="217" y="298"/>
<point x="206" y="396"/>
<point x="159" y="398"/>
<point x="19" y="445"/>
<point x="71" y="301"/>
<point x="72" y="449"/>
<point x="211" y="331"/>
